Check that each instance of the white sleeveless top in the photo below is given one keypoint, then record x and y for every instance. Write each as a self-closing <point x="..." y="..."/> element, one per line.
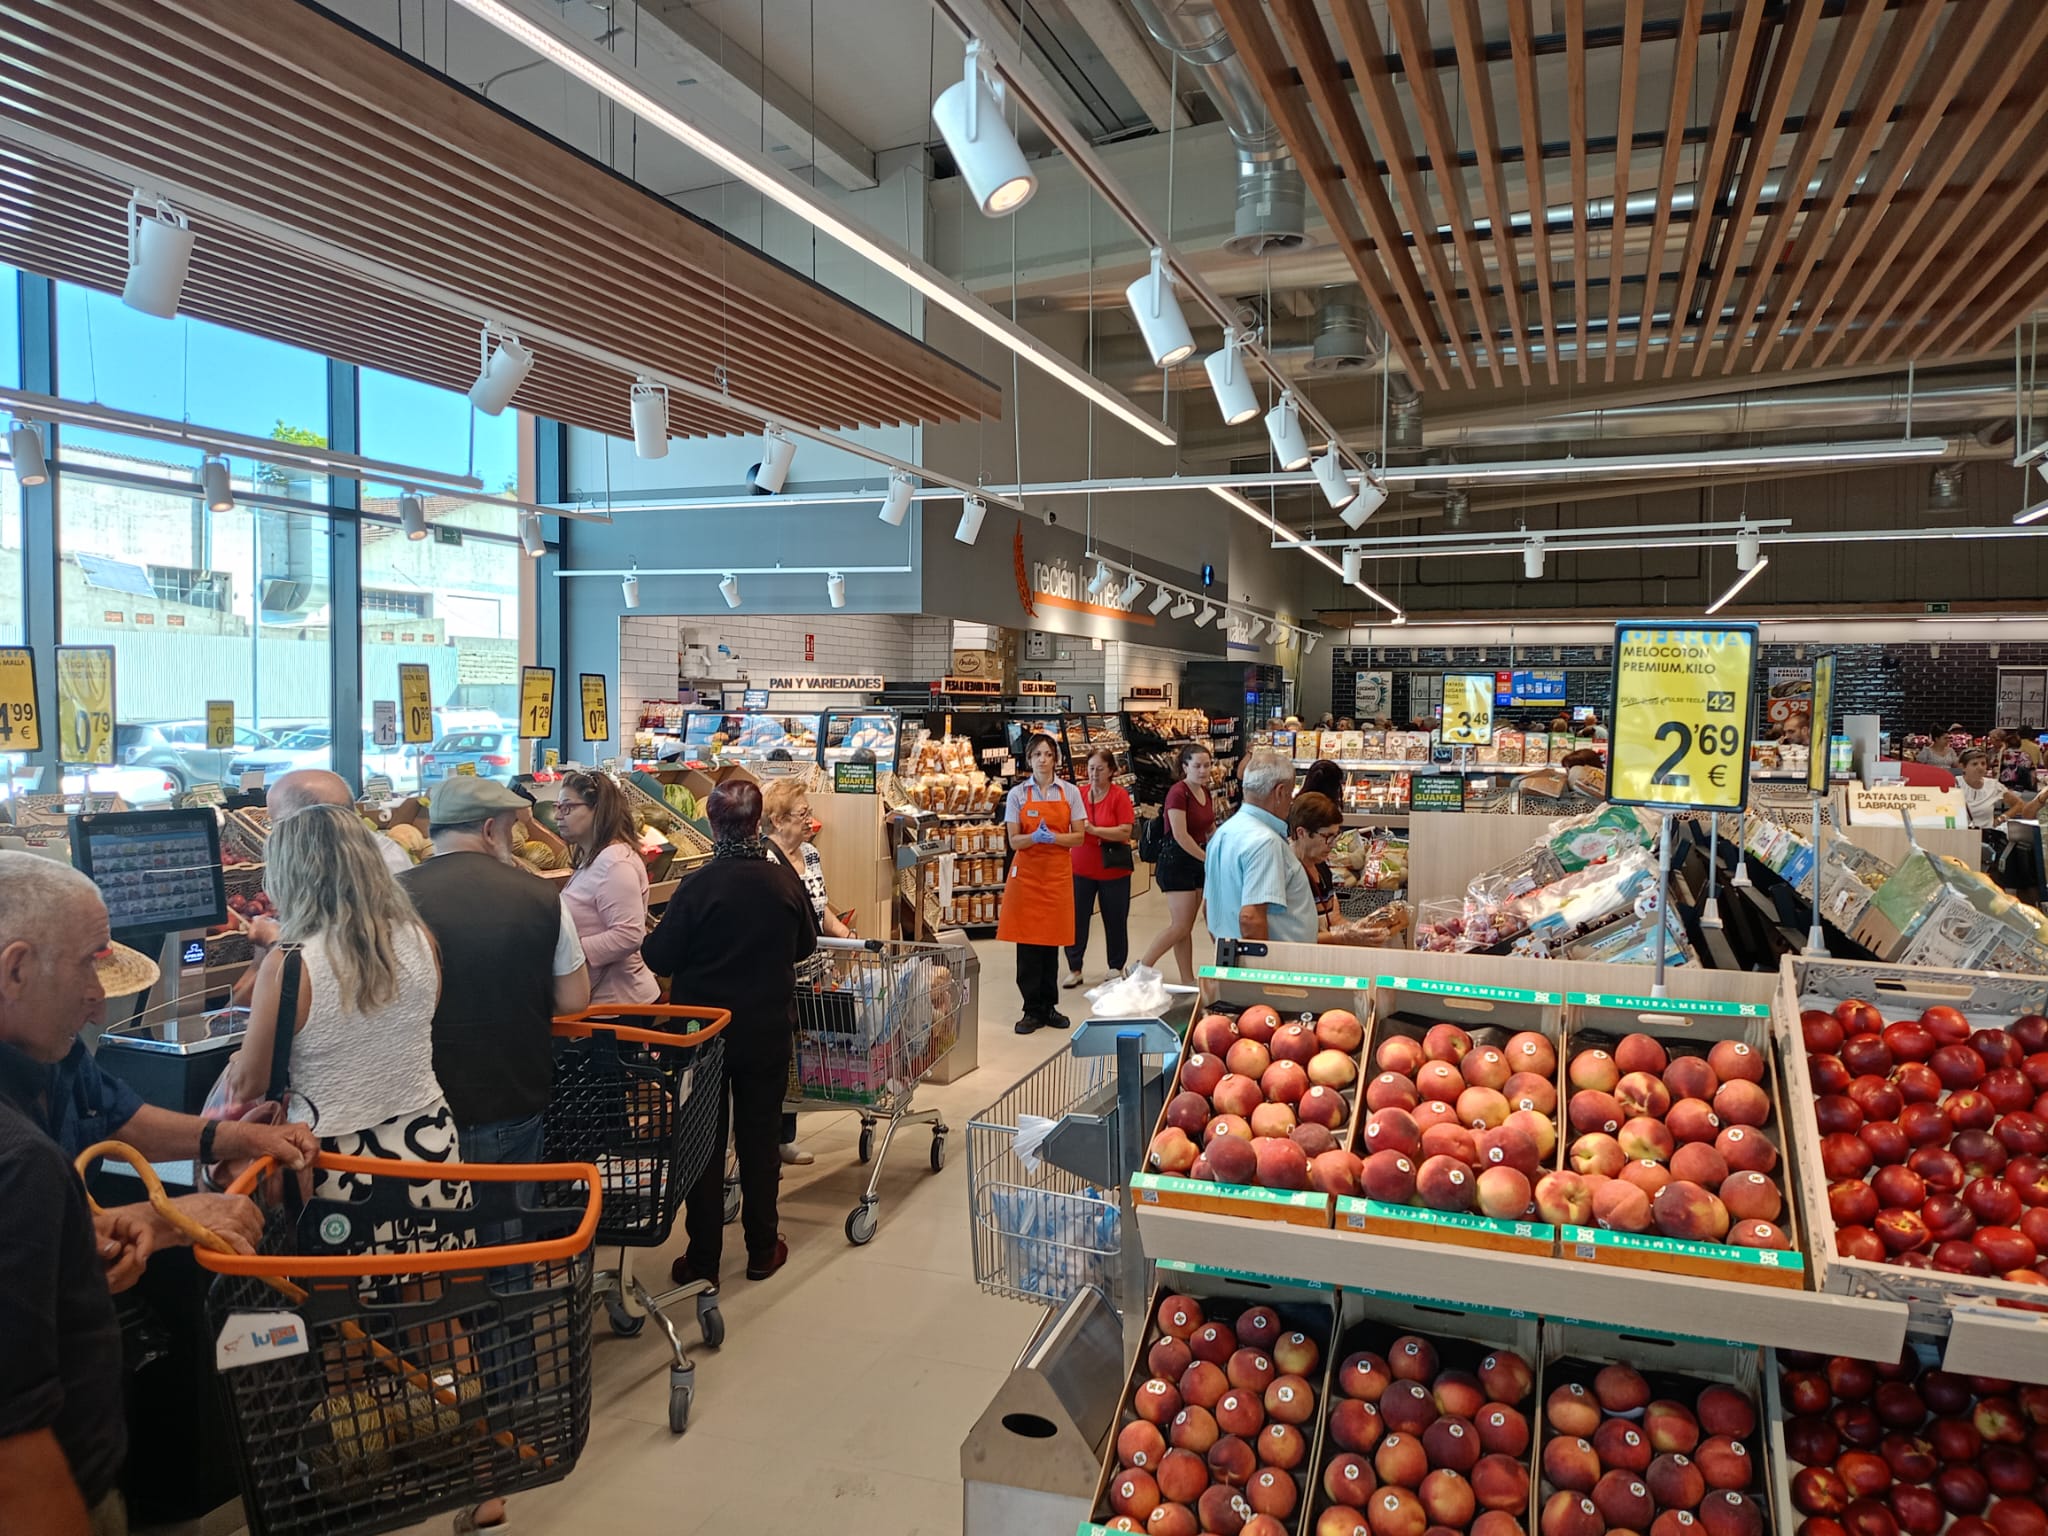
<point x="351" y="1071"/>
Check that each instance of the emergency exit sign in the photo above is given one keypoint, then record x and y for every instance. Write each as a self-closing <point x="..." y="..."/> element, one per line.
<point x="1934" y="607"/>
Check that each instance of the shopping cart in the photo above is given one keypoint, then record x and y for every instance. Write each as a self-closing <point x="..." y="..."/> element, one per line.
<point x="871" y="1022"/>
<point x="642" y="1105"/>
<point x="371" y="1388"/>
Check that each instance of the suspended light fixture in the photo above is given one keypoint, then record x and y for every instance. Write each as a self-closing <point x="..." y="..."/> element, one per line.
<point x="412" y="515"/>
<point x="25" y="447"/>
<point x="1532" y="559"/>
<point x="502" y="373"/>
<point x="629" y="586"/>
<point x="1740" y="582"/>
<point x="530" y="536"/>
<point x="729" y="589"/>
<point x="1371" y="496"/>
<point x="213" y="482"/>
<point x="1749" y="545"/>
<point x="1100" y="580"/>
<point x="2032" y="514"/>
<point x="1234" y="396"/>
<point x="1132" y="587"/>
<point x="1184" y="607"/>
<point x="1354" y="560"/>
<point x="969" y="117"/>
<point x="1283" y="427"/>
<point x="972" y="511"/>
<point x="1337" y="488"/>
<point x="896" y="505"/>
<point x="1202" y="619"/>
<point x="1308" y="645"/>
<point x="159" y="256"/>
<point x="2042" y="466"/>
<point x="1159" y="316"/>
<point x="835" y="590"/>
<point x="1254" y="627"/>
<point x="777" y="451"/>
<point x="649" y="402"/>
<point x="1160" y="599"/>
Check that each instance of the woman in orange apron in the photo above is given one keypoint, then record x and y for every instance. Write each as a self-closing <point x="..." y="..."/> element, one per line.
<point x="1045" y="817"/>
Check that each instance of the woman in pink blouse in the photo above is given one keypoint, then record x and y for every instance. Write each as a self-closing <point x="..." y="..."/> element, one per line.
<point x="608" y="893"/>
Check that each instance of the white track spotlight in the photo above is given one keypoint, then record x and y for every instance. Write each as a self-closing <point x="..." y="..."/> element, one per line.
<point x="1354" y="560"/>
<point x="649" y="402"/>
<point x="1202" y="619"/>
<point x="1100" y="580"/>
<point x="1160" y="599"/>
<point x="777" y="453"/>
<point x="1749" y="544"/>
<point x="835" y="589"/>
<point x="1159" y="316"/>
<point x="159" y="256"/>
<point x="1532" y="559"/>
<point x="530" y="536"/>
<point x="1370" y="498"/>
<point x="969" y="117"/>
<point x="972" y="511"/>
<point x="412" y="515"/>
<point x="1308" y="645"/>
<point x="896" y="505"/>
<point x="1337" y="488"/>
<point x="1283" y="426"/>
<point x="25" y="447"/>
<point x="629" y="586"/>
<point x="1234" y="396"/>
<point x="1254" y="627"/>
<point x="213" y="482"/>
<point x="729" y="589"/>
<point x="1184" y="607"/>
<point x="2042" y="466"/>
<point x="1129" y="596"/>
<point x="503" y="371"/>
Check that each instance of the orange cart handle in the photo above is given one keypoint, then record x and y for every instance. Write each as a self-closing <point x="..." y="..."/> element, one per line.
<point x="581" y="1026"/>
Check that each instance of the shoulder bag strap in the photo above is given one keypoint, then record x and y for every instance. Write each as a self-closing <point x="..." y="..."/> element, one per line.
<point x="287" y="1024"/>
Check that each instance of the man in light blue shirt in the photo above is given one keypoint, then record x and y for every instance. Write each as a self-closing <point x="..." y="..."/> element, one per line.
<point x="1255" y="887"/>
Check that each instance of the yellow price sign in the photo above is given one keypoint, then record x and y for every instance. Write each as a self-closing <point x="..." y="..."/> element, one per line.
<point x="85" y="704"/>
<point x="1684" y="698"/>
<point x="220" y="725"/>
<point x="1468" y="709"/>
<point x="536" y="702"/>
<point x="416" y="702"/>
<point x="21" y="726"/>
<point x="1817" y="737"/>
<point x="597" y="714"/>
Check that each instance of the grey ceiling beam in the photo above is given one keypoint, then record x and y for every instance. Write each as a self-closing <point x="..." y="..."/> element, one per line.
<point x="1125" y="49"/>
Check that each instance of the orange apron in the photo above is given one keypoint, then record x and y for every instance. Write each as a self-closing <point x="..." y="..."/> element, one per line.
<point x="1038" y="899"/>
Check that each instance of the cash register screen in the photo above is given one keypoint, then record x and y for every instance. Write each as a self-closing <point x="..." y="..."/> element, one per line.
<point x="158" y="871"/>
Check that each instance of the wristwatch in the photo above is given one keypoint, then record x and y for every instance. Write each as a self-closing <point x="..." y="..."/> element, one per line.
<point x="206" y="1135"/>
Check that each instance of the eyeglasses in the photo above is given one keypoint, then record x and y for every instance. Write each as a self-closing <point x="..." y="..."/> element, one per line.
<point x="571" y="805"/>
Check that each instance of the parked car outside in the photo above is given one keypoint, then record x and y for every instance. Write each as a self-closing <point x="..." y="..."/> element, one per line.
<point x="141" y="787"/>
<point x="310" y="747"/>
<point x="179" y="748"/>
<point x="491" y="754"/>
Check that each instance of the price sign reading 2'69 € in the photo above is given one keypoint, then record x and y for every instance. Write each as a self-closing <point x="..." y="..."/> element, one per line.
<point x="1468" y="709"/>
<point x="1684" y="697"/>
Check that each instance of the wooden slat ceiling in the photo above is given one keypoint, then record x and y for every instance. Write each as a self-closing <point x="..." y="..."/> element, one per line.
<point x="1871" y="175"/>
<point x="321" y="131"/>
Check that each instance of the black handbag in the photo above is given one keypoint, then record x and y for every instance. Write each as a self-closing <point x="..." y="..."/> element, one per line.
<point x="1114" y="855"/>
<point x="1151" y="839"/>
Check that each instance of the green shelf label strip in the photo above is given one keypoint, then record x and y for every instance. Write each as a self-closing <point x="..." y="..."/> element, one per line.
<point x="1422" y="1216"/>
<point x="1668" y="1005"/>
<point x="1284" y="978"/>
<point x="1645" y="1242"/>
<point x="1181" y="1266"/>
<point x="1468" y="989"/>
<point x="1153" y="1183"/>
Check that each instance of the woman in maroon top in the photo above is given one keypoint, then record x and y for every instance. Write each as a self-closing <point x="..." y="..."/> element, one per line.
<point x="1111" y="821"/>
<point x="1190" y="813"/>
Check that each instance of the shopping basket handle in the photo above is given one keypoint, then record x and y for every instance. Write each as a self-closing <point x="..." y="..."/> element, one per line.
<point x="195" y="1232"/>
<point x="603" y="1017"/>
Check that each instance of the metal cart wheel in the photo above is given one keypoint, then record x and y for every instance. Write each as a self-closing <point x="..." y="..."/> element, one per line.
<point x="938" y="1153"/>
<point x="679" y="1396"/>
<point x="867" y="1139"/>
<point x="624" y="1323"/>
<point x="861" y="1224"/>
<point x="711" y="1322"/>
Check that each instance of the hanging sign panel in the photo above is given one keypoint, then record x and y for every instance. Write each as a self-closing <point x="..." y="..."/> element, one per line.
<point x="597" y="714"/>
<point x="1823" y="712"/>
<point x="1468" y="709"/>
<point x="536" y="703"/>
<point x="85" y="704"/>
<point x="1684" y="697"/>
<point x="21" y="728"/>
<point x="416" y="702"/>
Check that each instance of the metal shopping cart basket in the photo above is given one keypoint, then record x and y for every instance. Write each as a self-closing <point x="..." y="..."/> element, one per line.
<point x="642" y="1105"/>
<point x="384" y="1362"/>
<point x="872" y="1020"/>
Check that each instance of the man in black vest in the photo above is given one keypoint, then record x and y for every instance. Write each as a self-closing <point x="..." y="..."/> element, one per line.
<point x="510" y="961"/>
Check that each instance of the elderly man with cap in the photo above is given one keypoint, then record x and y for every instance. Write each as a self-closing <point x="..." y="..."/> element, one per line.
<point x="62" y="1426"/>
<point x="511" y="959"/>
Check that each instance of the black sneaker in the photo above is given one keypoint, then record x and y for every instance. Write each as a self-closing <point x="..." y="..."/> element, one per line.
<point x="1058" y="1020"/>
<point x="1028" y="1025"/>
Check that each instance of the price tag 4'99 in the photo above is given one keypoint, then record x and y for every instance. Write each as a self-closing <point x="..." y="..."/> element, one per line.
<point x="1684" y="700"/>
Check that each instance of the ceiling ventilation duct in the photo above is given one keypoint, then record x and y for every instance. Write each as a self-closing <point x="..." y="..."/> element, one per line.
<point x="1269" y="187"/>
<point x="1344" y="341"/>
<point x="1457" y="503"/>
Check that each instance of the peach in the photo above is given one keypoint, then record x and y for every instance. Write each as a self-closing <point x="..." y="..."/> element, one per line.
<point x="1237" y="1095"/>
<point x="1593" y="1070"/>
<point x="1501" y="1482"/>
<point x="1157" y="1401"/>
<point x="1435" y="1112"/>
<point x="1642" y="1093"/>
<point x="1233" y="1160"/>
<point x="1538" y="1127"/>
<point x="1597" y="1152"/>
<point x="1396" y="1512"/>
<point x="1172" y="1152"/>
<point x="1258" y="1022"/>
<point x="1201" y="1384"/>
<point x="1250" y="1369"/>
<point x="1689" y="1077"/>
<point x="1727" y="1411"/>
<point x="1572" y="1411"/>
<point x="1482" y="1108"/>
<point x="1621" y="1389"/>
<point x="1388" y="1177"/>
<point x="1446" y="1184"/>
<point x="1227" y="1125"/>
<point x="1290" y="1399"/>
<point x="1674" y="1482"/>
<point x="1621" y="1207"/>
<point x="1314" y="1140"/>
<point x="1724" y="1462"/>
<point x="1179" y="1316"/>
<point x="1570" y="1463"/>
<point x="1335" y="1172"/>
<point x="1525" y="1090"/>
<point x="1182" y="1476"/>
<point x="1213" y="1342"/>
<point x="1504" y="1194"/>
<point x="1194" y="1429"/>
<point x="1338" y="1029"/>
<point x="1698" y="1163"/>
<point x="1592" y="1109"/>
<point x="1171" y="1519"/>
<point x="1322" y="1106"/>
<point x="1140" y="1444"/>
<point x="1247" y="1058"/>
<point x="1508" y="1146"/>
<point x="1742" y="1103"/>
<point x="1725" y="1512"/>
<point x="1502" y="1430"/>
<point x="1214" y="1035"/>
<point x="1621" y="1446"/>
<point x="1693" y="1120"/>
<point x="1282" y="1446"/>
<point x="1486" y="1067"/>
<point x="1646" y="1175"/>
<point x="1737" y="1061"/>
<point x="1746" y="1150"/>
<point x="1439" y="1080"/>
<point x="1356" y="1426"/>
<point x="1624" y="1501"/>
<point x="1681" y="1522"/>
<point x="1201" y="1072"/>
<point x="1566" y="1513"/>
<point x="1348" y="1479"/>
<point x="1458" y="1395"/>
<point x="1411" y="1357"/>
<point x="1282" y="1165"/>
<point x="1450" y="1141"/>
<point x="1497" y="1522"/>
<point x="1401" y="1461"/>
<point x="1295" y="1042"/>
<point x="1132" y="1492"/>
<point x="1447" y="1498"/>
<point x="1643" y="1139"/>
<point x="1563" y="1199"/>
<point x="1686" y="1210"/>
<point x="1751" y="1197"/>
<point x="1188" y="1112"/>
<point x="1222" y="1510"/>
<point x="1506" y="1376"/>
<point x="1238" y="1413"/>
<point x="1671" y="1428"/>
<point x="1446" y="1042"/>
<point x="1641" y="1053"/>
<point x="1258" y="1327"/>
<point x="1399" y="1053"/>
<point x="1453" y="1443"/>
<point x="1392" y="1130"/>
<point x="1232" y="1461"/>
<point x="1530" y="1051"/>
<point x="1409" y="1407"/>
<point x="1168" y="1357"/>
<point x="1392" y="1090"/>
<point x="1364" y="1376"/>
<point x="1296" y="1354"/>
<point x="1284" y="1082"/>
<point x="1341" y="1519"/>
<point x="1332" y="1069"/>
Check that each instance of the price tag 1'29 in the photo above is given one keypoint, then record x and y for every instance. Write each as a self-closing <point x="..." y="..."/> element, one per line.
<point x="536" y="703"/>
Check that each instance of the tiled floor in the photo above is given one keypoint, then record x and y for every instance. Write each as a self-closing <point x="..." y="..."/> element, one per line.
<point x="847" y="1382"/>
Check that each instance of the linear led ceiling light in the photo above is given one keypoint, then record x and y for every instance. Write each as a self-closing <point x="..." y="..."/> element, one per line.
<point x="1749" y="546"/>
<point x="1129" y="596"/>
<point x="530" y="536"/>
<point x="2032" y="514"/>
<point x="1740" y="582"/>
<point x="1184" y="607"/>
<point x="534" y="23"/>
<point x="214" y="485"/>
<point x="1283" y="426"/>
<point x="777" y="454"/>
<point x="1160" y="599"/>
<point x="1532" y="559"/>
<point x="159" y="255"/>
<point x="835" y="590"/>
<point x="972" y="511"/>
<point x="1159" y="317"/>
<point x="1202" y="619"/>
<point x="729" y="589"/>
<point x="649" y="403"/>
<point x="1285" y="535"/>
<point x="1370" y="498"/>
<point x="629" y="587"/>
<point x="501" y="374"/>
<point x="412" y="515"/>
<point x="1233" y="389"/>
<point x="969" y="117"/>
<point x="896" y="505"/>
<point x="25" y="448"/>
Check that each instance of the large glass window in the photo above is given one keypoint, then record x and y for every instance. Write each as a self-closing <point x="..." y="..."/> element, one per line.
<point x="10" y="495"/>
<point x="406" y="422"/>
